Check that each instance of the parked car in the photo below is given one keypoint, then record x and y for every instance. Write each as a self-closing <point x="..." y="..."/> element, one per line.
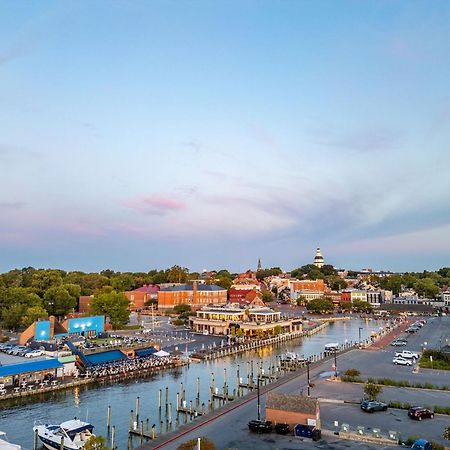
<point x="402" y="361"/>
<point x="371" y="406"/>
<point x="412" y="330"/>
<point x="422" y="444"/>
<point x="407" y="354"/>
<point x="34" y="354"/>
<point x="399" y="343"/>
<point x="282" y="428"/>
<point x="260" y="426"/>
<point x="419" y="413"/>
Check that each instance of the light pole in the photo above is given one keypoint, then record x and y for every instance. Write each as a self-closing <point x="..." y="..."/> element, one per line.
<point x="307" y="374"/>
<point x="335" y="364"/>
<point x="259" y="401"/>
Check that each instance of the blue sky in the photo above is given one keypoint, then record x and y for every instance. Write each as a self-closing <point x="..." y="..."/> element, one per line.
<point x="142" y="134"/>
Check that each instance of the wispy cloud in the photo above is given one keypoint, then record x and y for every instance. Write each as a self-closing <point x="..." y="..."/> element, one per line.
<point x="11" y="154"/>
<point x="11" y="205"/>
<point x="368" y="140"/>
<point x="154" y="204"/>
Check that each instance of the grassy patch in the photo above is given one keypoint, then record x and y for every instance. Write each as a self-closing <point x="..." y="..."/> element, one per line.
<point x="434" y="359"/>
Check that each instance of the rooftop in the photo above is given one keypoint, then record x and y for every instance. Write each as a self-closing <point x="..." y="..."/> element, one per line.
<point x="291" y="402"/>
<point x="35" y="366"/>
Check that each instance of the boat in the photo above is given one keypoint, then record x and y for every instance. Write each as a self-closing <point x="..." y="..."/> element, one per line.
<point x="291" y="356"/>
<point x="5" y="444"/>
<point x="75" y="434"/>
<point x="332" y="347"/>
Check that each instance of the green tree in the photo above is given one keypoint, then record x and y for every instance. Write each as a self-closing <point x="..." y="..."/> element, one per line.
<point x="277" y="330"/>
<point x="301" y="301"/>
<point x="122" y="282"/>
<point x="267" y="296"/>
<point x="179" y="309"/>
<point x="112" y="304"/>
<point x="336" y="283"/>
<point x="178" y="274"/>
<point x="96" y="443"/>
<point x="32" y="314"/>
<point x="426" y="287"/>
<point x="371" y="390"/>
<point x="42" y="280"/>
<point x="58" y="301"/>
<point x="320" y="306"/>
<point x="12" y="316"/>
<point x="224" y="282"/>
<point x="360" y="306"/>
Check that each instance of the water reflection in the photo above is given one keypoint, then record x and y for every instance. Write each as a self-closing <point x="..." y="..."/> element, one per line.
<point x="18" y="416"/>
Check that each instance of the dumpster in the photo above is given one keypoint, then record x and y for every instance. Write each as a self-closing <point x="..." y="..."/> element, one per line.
<point x="308" y="431"/>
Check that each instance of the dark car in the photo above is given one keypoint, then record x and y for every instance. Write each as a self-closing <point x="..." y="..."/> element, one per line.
<point x="372" y="405"/>
<point x="260" y="426"/>
<point x="419" y="413"/>
<point x="282" y="428"/>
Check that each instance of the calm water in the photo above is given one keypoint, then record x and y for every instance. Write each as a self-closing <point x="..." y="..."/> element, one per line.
<point x="92" y="402"/>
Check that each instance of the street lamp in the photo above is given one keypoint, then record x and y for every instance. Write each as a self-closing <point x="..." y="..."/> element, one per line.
<point x="335" y="364"/>
<point x="307" y="374"/>
<point x="259" y="402"/>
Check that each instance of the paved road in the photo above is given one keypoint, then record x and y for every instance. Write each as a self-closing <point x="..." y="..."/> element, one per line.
<point x="230" y="430"/>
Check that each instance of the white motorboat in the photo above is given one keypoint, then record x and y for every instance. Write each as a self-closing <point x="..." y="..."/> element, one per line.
<point x="74" y="434"/>
<point x="291" y="356"/>
<point x="5" y="444"/>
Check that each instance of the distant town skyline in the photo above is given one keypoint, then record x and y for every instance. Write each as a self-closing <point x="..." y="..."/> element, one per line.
<point x="139" y="135"/>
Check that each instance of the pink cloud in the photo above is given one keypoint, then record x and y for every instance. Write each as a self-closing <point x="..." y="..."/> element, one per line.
<point x="154" y="204"/>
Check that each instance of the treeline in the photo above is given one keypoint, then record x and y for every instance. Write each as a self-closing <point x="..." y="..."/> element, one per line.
<point x="30" y="294"/>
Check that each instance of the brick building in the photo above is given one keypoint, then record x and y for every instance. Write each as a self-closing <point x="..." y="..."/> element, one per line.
<point x="195" y="295"/>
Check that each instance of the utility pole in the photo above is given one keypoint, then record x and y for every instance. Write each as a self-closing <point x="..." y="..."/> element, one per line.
<point x="335" y="364"/>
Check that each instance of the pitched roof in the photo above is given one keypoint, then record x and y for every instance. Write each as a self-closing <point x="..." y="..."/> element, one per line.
<point x="291" y="402"/>
<point x="16" y="369"/>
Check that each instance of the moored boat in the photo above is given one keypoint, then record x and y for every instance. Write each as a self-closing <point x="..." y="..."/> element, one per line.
<point x="73" y="434"/>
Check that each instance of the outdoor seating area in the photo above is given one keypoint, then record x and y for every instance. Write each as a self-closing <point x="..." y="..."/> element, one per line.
<point x="131" y="365"/>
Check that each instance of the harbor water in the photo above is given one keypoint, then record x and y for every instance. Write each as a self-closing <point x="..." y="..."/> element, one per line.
<point x="91" y="402"/>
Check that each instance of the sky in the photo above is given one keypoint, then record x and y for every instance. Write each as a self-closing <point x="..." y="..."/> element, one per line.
<point x="142" y="134"/>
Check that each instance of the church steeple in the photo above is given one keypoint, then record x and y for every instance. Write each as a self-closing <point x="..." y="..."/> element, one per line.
<point x="259" y="264"/>
<point x="318" y="259"/>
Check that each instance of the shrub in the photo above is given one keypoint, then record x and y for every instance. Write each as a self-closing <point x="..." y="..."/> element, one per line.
<point x="352" y="372"/>
<point x="347" y="379"/>
<point x="205" y="444"/>
<point x="178" y="322"/>
<point x="372" y="390"/>
<point x="437" y="446"/>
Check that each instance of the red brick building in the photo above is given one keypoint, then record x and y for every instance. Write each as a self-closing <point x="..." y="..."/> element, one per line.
<point x="194" y="295"/>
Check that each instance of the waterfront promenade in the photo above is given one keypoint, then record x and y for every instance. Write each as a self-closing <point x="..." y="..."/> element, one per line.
<point x="339" y="401"/>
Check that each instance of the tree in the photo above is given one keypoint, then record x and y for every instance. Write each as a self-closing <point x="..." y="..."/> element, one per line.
<point x="178" y="274"/>
<point x="360" y="306"/>
<point x="42" y="280"/>
<point x="301" y="301"/>
<point x="114" y="305"/>
<point x="205" y="444"/>
<point x="426" y="287"/>
<point x="224" y="282"/>
<point x="179" y="309"/>
<point x="12" y="316"/>
<point x="371" y="390"/>
<point x="123" y="282"/>
<point x="32" y="314"/>
<point x="320" y="306"/>
<point x="96" y="443"/>
<point x="277" y="330"/>
<point x="267" y="296"/>
<point x="336" y="283"/>
<point x="58" y="301"/>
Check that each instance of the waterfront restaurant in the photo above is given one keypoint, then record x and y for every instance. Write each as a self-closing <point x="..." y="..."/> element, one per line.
<point x="25" y="373"/>
<point x="252" y="321"/>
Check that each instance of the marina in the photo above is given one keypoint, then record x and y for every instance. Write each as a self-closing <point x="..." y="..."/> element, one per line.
<point x="156" y="410"/>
